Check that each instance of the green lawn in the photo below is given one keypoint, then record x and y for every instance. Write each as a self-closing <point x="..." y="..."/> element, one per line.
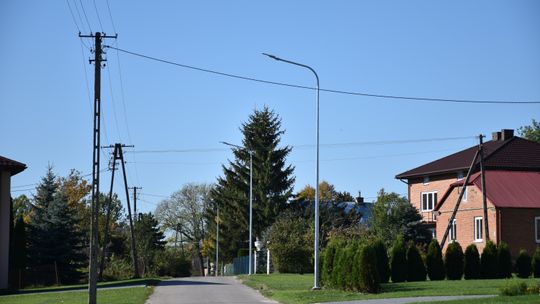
<point x="130" y="282"/>
<point x="293" y="289"/>
<point x="132" y="295"/>
<point x="496" y="300"/>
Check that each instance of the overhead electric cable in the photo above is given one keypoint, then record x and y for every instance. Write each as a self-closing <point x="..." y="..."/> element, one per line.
<point x="85" y="16"/>
<point x="384" y="96"/>
<point x="97" y="14"/>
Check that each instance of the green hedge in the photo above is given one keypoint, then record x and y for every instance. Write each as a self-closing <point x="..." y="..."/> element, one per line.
<point x="398" y="266"/>
<point x="472" y="263"/>
<point x="416" y="271"/>
<point x="536" y="263"/>
<point x="504" y="260"/>
<point x="488" y="261"/>
<point x="453" y="261"/>
<point x="523" y="264"/>
<point x="382" y="260"/>
<point x="434" y="261"/>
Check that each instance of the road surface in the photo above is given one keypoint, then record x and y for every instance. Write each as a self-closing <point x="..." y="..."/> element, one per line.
<point x="211" y="290"/>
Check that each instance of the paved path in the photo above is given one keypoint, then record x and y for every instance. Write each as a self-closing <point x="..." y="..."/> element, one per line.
<point x="211" y="290"/>
<point x="412" y="300"/>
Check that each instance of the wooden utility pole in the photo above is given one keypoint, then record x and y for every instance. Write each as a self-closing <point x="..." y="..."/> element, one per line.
<point x="94" y="238"/>
<point x="118" y="155"/>
<point x="484" y="199"/>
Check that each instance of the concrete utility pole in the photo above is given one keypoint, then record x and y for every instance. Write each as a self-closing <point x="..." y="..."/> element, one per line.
<point x="94" y="238"/>
<point x="484" y="199"/>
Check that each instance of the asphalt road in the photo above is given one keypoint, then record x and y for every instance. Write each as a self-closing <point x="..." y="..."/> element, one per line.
<point x="198" y="290"/>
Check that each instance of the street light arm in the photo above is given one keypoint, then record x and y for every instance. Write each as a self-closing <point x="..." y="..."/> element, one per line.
<point x="295" y="63"/>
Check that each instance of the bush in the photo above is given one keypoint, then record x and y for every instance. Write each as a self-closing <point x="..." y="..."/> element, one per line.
<point x="504" y="259"/>
<point x="488" y="261"/>
<point x="416" y="271"/>
<point x="523" y="264"/>
<point x="513" y="289"/>
<point x="382" y="260"/>
<point x="173" y="263"/>
<point x="117" y="269"/>
<point x="367" y="276"/>
<point x="434" y="261"/>
<point x="536" y="263"/>
<point x="398" y="269"/>
<point x="347" y="267"/>
<point x="291" y="244"/>
<point x="472" y="263"/>
<point x="453" y="261"/>
<point x="328" y="262"/>
<point x="337" y="278"/>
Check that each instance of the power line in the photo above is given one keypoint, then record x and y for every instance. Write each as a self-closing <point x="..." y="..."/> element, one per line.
<point x="383" y="96"/>
<point x="85" y="16"/>
<point x="79" y="14"/>
<point x="110" y="16"/>
<point x="73" y="16"/>
<point x="155" y="195"/>
<point x="97" y="14"/>
<point x="330" y="145"/>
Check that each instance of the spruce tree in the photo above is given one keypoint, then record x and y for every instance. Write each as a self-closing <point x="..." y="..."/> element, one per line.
<point x="272" y="182"/>
<point x="149" y="240"/>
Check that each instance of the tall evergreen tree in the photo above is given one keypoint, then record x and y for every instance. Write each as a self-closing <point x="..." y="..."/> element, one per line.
<point x="53" y="237"/>
<point x="272" y="183"/>
<point x="150" y="240"/>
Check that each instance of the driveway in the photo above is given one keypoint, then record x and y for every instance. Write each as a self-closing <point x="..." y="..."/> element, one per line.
<point x="196" y="290"/>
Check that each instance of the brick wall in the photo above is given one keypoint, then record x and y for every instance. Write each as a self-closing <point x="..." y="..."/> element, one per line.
<point x="467" y="211"/>
<point x="436" y="183"/>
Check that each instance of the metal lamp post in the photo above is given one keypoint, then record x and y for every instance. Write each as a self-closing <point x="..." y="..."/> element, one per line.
<point x="250" y="199"/>
<point x="316" y="262"/>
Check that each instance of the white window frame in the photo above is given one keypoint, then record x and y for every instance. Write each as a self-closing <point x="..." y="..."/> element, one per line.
<point x="478" y="229"/>
<point x="536" y="223"/>
<point x="433" y="194"/>
<point x="425" y="181"/>
<point x="464" y="198"/>
<point x="453" y="231"/>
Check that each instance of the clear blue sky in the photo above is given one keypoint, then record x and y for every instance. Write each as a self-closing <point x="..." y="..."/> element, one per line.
<point x="453" y="49"/>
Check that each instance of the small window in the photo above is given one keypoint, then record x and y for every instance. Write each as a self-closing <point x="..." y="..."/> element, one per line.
<point x="453" y="231"/>
<point x="426" y="180"/>
<point x="460" y="175"/>
<point x="429" y="200"/>
<point x="478" y="229"/>
<point x="465" y="194"/>
<point x="537" y="228"/>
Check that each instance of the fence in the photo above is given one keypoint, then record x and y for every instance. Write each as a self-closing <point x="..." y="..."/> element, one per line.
<point x="240" y="265"/>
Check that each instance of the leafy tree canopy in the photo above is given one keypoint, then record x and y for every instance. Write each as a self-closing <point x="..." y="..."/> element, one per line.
<point x="531" y="132"/>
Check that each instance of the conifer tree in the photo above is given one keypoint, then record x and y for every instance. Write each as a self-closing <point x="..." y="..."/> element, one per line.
<point x="434" y="261"/>
<point x="272" y="183"/>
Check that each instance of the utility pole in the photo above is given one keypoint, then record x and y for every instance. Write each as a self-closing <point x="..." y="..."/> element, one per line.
<point x="484" y="199"/>
<point x="118" y="155"/>
<point x="135" y="201"/>
<point x="217" y="242"/>
<point x="96" y="132"/>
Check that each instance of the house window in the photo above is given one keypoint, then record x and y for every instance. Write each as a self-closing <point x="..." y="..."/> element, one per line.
<point x="464" y="198"/>
<point x="478" y="229"/>
<point x="453" y="231"/>
<point x="426" y="180"/>
<point x="537" y="229"/>
<point x="429" y="200"/>
<point x="460" y="175"/>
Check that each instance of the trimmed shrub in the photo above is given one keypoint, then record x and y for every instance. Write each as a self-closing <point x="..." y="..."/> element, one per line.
<point x="523" y="264"/>
<point x="328" y="262"/>
<point x="488" y="261"/>
<point x="504" y="259"/>
<point x="512" y="288"/>
<point x="416" y="271"/>
<point x="471" y="269"/>
<point x="434" y="261"/>
<point x="536" y="263"/>
<point x="367" y="278"/>
<point x="173" y="263"/>
<point x="348" y="263"/>
<point x="382" y="260"/>
<point x="398" y="269"/>
<point x="453" y="261"/>
<point x="339" y="268"/>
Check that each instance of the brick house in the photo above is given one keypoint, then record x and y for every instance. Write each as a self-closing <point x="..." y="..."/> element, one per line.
<point x="512" y="167"/>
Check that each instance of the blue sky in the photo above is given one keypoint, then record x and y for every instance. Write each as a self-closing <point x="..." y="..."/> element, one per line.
<point x="452" y="49"/>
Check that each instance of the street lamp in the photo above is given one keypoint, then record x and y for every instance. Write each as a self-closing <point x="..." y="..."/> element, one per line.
<point x="316" y="266"/>
<point x="250" y="198"/>
<point x="217" y="243"/>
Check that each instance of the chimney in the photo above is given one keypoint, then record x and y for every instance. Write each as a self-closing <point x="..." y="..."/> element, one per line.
<point x="359" y="199"/>
<point x="507" y="134"/>
<point x="496" y="136"/>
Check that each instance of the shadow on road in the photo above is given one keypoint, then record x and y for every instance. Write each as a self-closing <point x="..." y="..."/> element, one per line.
<point x="186" y="282"/>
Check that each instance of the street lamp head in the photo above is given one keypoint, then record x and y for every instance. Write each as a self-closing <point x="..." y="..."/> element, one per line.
<point x="271" y="56"/>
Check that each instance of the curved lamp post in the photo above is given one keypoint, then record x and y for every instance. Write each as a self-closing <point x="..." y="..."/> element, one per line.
<point x="250" y="198"/>
<point x="316" y="262"/>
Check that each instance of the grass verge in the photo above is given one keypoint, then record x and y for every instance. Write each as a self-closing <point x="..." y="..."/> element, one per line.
<point x="296" y="289"/>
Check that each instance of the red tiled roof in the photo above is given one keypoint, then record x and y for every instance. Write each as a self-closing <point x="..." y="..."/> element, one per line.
<point x="12" y="166"/>
<point x="505" y="189"/>
<point x="515" y="153"/>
